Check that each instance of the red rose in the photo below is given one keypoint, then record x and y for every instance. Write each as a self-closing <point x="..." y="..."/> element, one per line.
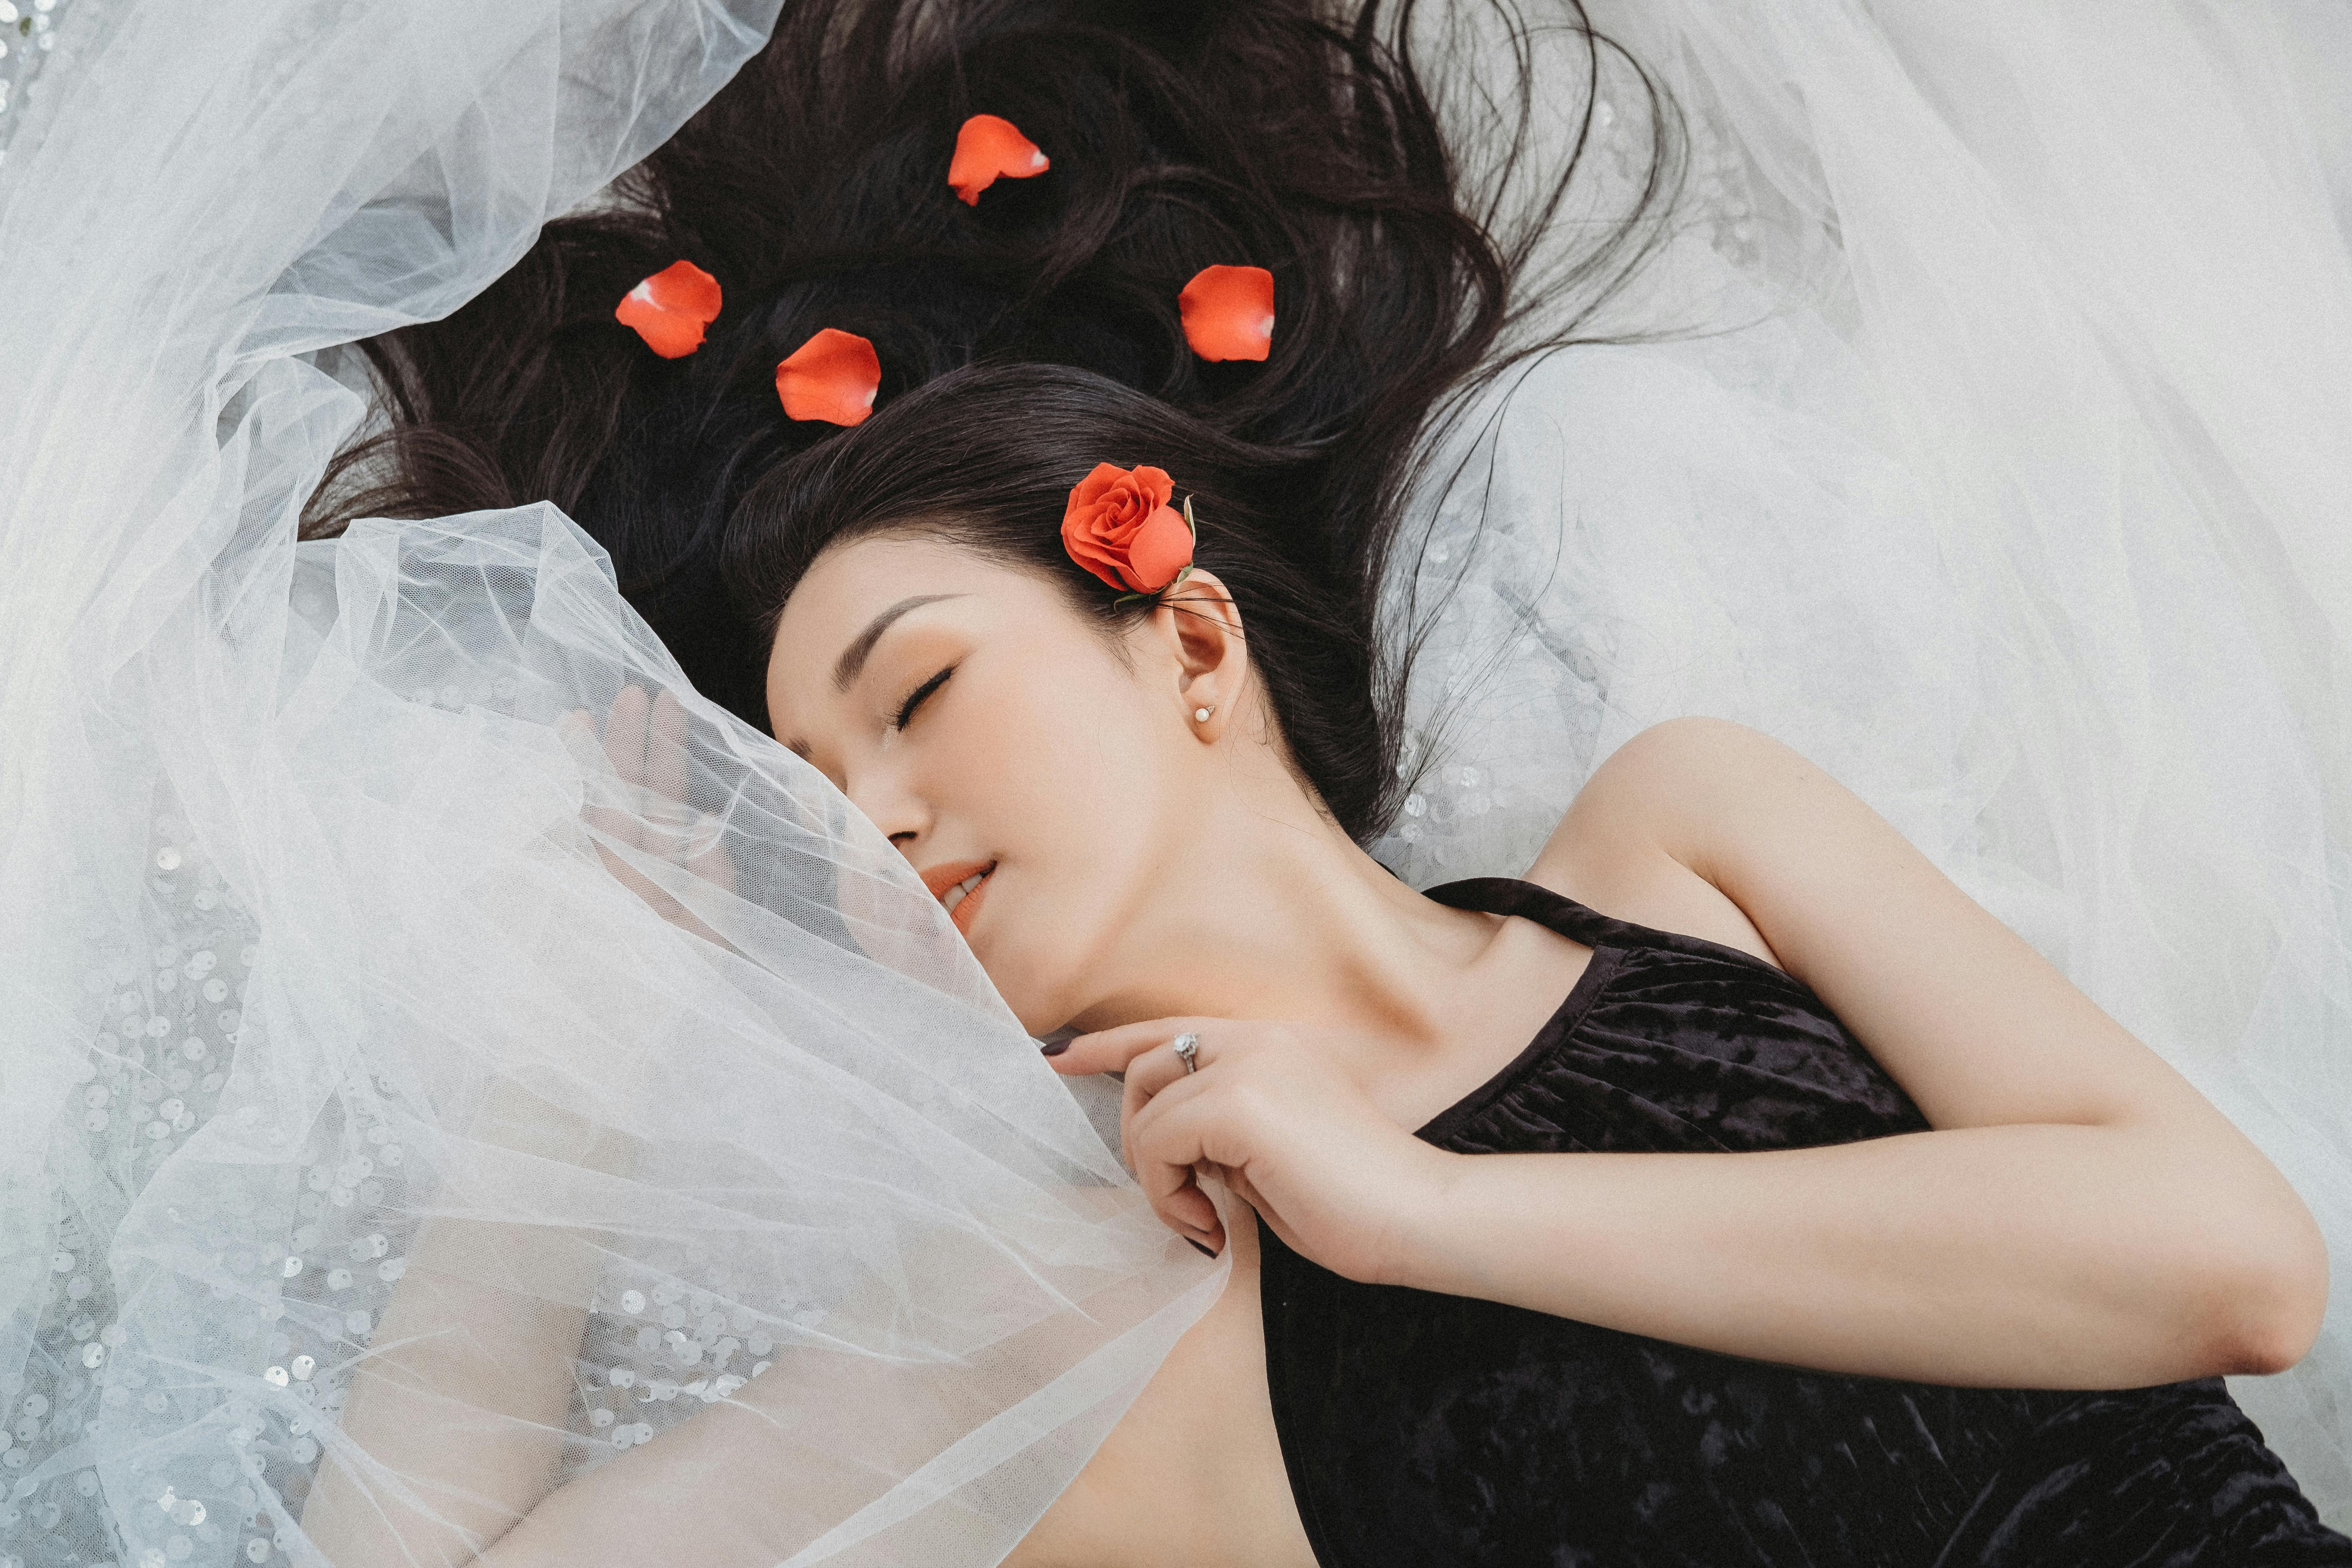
<point x="1120" y="527"/>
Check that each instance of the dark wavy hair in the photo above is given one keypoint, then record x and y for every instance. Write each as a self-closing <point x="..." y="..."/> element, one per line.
<point x="1029" y="337"/>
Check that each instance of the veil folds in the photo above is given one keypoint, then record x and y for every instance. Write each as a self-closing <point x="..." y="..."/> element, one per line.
<point x="351" y="924"/>
<point x="2003" y="482"/>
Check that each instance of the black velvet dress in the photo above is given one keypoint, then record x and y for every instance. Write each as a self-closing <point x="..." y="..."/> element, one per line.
<point x="1420" y="1428"/>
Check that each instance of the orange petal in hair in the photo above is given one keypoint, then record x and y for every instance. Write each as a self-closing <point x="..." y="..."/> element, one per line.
<point x="832" y="378"/>
<point x="670" y="309"/>
<point x="988" y="146"/>
<point x="1229" y="312"/>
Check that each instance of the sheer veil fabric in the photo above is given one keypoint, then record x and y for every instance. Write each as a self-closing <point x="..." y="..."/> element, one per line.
<point x="1984" y="439"/>
<point x="334" y="938"/>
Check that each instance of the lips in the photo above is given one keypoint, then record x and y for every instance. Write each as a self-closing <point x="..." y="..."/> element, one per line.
<point x="959" y="885"/>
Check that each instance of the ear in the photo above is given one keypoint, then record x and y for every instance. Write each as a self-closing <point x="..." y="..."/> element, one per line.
<point x="1201" y="626"/>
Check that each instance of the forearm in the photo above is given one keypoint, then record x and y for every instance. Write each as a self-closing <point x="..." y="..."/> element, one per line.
<point x="467" y="1390"/>
<point x="2029" y="1255"/>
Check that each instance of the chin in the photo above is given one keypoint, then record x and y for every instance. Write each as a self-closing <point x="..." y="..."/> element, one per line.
<point x="1039" y="1017"/>
<point x="1048" y="970"/>
<point x="1044" y="1001"/>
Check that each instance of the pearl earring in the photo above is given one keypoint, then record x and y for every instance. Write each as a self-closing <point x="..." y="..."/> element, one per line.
<point x="1200" y="715"/>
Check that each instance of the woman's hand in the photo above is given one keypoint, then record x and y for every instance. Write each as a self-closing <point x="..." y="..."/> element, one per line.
<point x="646" y="744"/>
<point x="1286" y="1126"/>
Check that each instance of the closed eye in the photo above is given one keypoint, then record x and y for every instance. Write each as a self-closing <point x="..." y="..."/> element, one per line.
<point x="915" y="697"/>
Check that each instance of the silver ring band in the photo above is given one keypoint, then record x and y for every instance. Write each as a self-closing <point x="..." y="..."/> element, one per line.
<point x="1185" y="1046"/>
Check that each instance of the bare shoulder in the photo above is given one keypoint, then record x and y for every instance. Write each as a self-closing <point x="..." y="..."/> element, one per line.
<point x="1714" y="821"/>
<point x="1627" y="846"/>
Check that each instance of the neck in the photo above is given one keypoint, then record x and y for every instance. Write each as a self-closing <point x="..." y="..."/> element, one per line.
<point x="1283" y="916"/>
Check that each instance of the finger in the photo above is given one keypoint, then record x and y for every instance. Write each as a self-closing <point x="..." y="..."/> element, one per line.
<point x="1110" y="1050"/>
<point x="624" y="743"/>
<point x="576" y="728"/>
<point x="669" y="909"/>
<point x="625" y="734"/>
<point x="665" y="748"/>
<point x="1177" y="1198"/>
<point x="1130" y="1101"/>
<point x="1229" y="1184"/>
<point x="1152" y="1070"/>
<point x="1156" y="1069"/>
<point x="1239" y="1184"/>
<point x="619" y="825"/>
<point x="1182" y="1207"/>
<point x="1164" y="1145"/>
<point x="1242" y="1188"/>
<point x="1135" y="1130"/>
<point x="714" y="865"/>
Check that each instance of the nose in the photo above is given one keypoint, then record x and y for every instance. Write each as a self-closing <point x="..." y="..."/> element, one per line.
<point x="882" y="792"/>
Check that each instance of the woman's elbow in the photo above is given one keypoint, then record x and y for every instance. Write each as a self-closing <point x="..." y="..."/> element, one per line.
<point x="2273" y="1302"/>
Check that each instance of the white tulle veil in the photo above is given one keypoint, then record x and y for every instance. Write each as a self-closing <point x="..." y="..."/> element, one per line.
<point x="305" y="859"/>
<point x="2003" y="476"/>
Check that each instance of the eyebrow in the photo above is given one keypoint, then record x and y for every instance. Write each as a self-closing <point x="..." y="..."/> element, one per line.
<point x="853" y="658"/>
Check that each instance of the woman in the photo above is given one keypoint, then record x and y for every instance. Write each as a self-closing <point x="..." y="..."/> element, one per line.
<point x="1174" y="790"/>
<point x="1123" y="833"/>
<point x="1144" y="810"/>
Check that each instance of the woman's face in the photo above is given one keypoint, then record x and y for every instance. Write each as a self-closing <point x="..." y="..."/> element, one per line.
<point x="1042" y="784"/>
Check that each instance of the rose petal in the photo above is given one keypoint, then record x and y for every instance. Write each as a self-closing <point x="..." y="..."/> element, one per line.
<point x="1087" y="552"/>
<point x="987" y="147"/>
<point x="1154" y="483"/>
<point x="1161" y="547"/>
<point x="1088" y="490"/>
<point x="685" y="287"/>
<point x="670" y="309"/>
<point x="832" y="378"/>
<point x="1228" y="312"/>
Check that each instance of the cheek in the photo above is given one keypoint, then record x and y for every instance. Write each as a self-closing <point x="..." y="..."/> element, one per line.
<point x="1060" y="770"/>
<point x="1064" y="759"/>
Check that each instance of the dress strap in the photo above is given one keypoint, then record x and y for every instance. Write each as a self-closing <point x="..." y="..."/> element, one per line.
<point x="1511" y="896"/>
<point x="1578" y="923"/>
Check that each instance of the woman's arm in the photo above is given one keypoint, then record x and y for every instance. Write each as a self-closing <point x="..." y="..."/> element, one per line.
<point x="467" y="1392"/>
<point x="2031" y="1256"/>
<point x="467" y="1395"/>
<point x="467" y="1404"/>
<point x="2082" y="1216"/>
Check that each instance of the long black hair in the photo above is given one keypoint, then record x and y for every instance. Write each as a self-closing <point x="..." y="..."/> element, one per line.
<point x="1028" y="336"/>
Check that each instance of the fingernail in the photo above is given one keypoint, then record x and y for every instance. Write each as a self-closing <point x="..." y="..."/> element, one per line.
<point x="1054" y="1048"/>
<point x="1198" y="1248"/>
